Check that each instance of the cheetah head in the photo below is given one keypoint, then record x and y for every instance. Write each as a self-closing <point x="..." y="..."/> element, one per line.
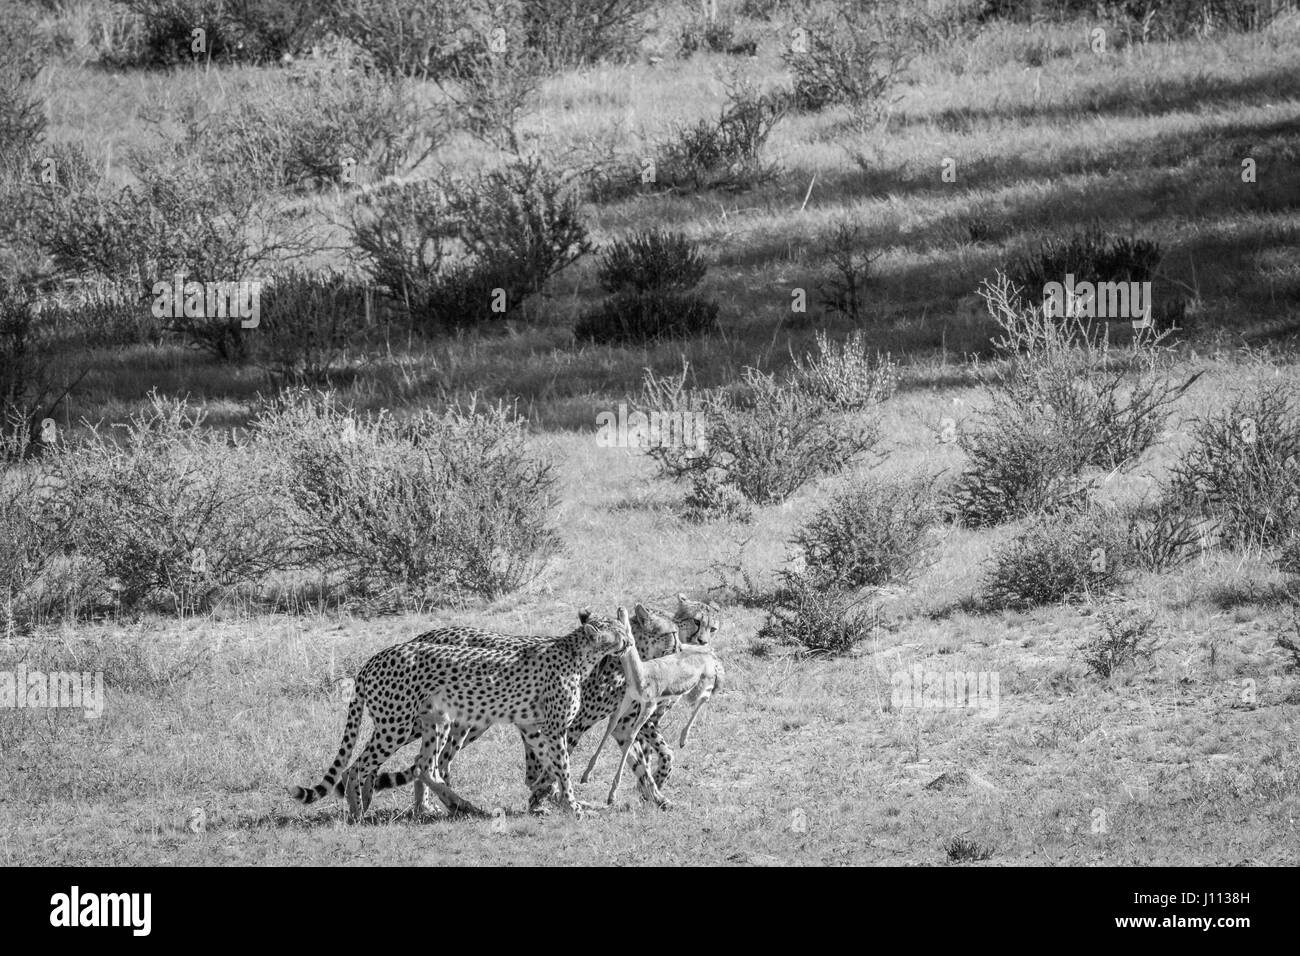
<point x="655" y="633"/>
<point x="611" y="637"/>
<point x="698" y="621"/>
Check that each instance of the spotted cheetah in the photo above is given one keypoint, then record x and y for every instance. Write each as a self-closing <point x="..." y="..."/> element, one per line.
<point x="654" y="631"/>
<point x="534" y="685"/>
<point x="694" y="622"/>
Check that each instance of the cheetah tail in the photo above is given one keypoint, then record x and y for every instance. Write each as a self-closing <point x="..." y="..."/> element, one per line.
<point x="386" y="781"/>
<point x="335" y="772"/>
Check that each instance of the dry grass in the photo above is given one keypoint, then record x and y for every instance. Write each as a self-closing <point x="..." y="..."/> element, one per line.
<point x="1191" y="755"/>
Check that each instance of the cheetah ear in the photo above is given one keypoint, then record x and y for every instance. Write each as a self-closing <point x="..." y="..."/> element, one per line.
<point x="583" y="615"/>
<point x="623" y="618"/>
<point x="640" y="613"/>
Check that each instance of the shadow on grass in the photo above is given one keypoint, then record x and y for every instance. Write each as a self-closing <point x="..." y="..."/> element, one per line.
<point x="331" y="814"/>
<point x="1235" y="594"/>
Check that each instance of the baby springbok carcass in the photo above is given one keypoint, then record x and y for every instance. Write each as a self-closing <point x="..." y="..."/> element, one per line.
<point x="692" y="672"/>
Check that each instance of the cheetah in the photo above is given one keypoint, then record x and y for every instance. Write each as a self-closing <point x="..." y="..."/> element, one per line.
<point x="652" y="630"/>
<point x="534" y="685"/>
<point x="656" y="634"/>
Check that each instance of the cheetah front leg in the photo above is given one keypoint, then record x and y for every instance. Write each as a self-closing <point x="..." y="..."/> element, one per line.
<point x="554" y="755"/>
<point x="543" y="777"/>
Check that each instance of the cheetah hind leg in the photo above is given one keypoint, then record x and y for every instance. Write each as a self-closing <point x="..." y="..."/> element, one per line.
<point x="446" y="745"/>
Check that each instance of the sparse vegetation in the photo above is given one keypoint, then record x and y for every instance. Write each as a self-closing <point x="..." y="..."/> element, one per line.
<point x="466" y="253"/>
<point x="171" y="514"/>
<point x="819" y="620"/>
<point x="1065" y="557"/>
<point x="841" y="58"/>
<point x="1089" y="256"/>
<point x="844" y="375"/>
<point x="308" y="326"/>
<point x="1243" y="468"/>
<point x="872" y="534"/>
<point x="435" y="507"/>
<point x="767" y="440"/>
<point x="648" y="277"/>
<point x="1066" y="401"/>
<point x="724" y="154"/>
<point x="1125" y="638"/>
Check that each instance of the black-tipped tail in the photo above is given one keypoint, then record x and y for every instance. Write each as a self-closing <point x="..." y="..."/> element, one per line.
<point x="311" y="794"/>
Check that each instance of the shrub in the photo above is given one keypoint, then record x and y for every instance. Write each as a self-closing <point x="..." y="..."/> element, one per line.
<point x="23" y="55"/>
<point x="1288" y="643"/>
<point x="1123" y="641"/>
<point x="32" y="382"/>
<point x="1148" y="20"/>
<point x="935" y="25"/>
<point x="725" y="153"/>
<point x="775" y="439"/>
<point x="411" y="37"/>
<point x="705" y="33"/>
<point x="576" y="32"/>
<point x="465" y="253"/>
<point x="844" y="292"/>
<point x="250" y="30"/>
<point x="31" y="538"/>
<point x="206" y="225"/>
<point x="843" y="375"/>
<point x="1165" y="536"/>
<point x="440" y="505"/>
<point x="820" y="620"/>
<point x="962" y="850"/>
<point x="766" y="440"/>
<point x="491" y="90"/>
<point x="843" y="60"/>
<point x="1090" y="256"/>
<point x="1242" y="467"/>
<point x="333" y="126"/>
<point x="308" y="324"/>
<point x="102" y="315"/>
<point x="631" y="317"/>
<point x="651" y="260"/>
<point x="869" y="535"/>
<point x="648" y="275"/>
<point x="1288" y="561"/>
<point x="1063" y="557"/>
<point x="1065" y="400"/>
<point x="170" y="512"/>
<point x="522" y="225"/>
<point x="1018" y="464"/>
<point x="711" y="499"/>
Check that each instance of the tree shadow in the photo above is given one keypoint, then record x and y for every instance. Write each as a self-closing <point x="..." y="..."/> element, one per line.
<point x="1226" y="229"/>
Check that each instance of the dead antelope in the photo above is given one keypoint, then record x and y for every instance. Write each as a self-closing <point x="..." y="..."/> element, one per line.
<point x="692" y="672"/>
